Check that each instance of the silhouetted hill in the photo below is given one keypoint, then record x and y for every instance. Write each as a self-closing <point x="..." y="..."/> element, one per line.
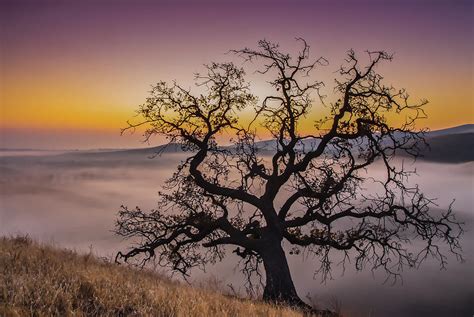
<point x="451" y="145"/>
<point x="141" y="152"/>
<point x="465" y="128"/>
<point x="450" y="148"/>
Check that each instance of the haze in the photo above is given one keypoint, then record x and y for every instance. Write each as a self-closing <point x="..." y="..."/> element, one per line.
<point x="71" y="200"/>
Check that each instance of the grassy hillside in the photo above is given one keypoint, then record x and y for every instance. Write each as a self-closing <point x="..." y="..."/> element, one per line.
<point x="37" y="280"/>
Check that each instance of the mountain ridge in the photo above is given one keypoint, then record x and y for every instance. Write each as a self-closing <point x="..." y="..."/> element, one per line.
<point x="449" y="145"/>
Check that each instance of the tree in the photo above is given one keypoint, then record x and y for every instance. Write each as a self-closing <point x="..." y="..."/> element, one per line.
<point x="307" y="193"/>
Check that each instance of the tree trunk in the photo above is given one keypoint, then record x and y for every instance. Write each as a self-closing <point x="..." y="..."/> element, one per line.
<point x="279" y="284"/>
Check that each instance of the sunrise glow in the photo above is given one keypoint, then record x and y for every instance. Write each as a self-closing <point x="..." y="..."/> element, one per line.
<point x="74" y="72"/>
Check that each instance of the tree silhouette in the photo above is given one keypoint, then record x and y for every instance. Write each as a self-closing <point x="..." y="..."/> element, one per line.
<point x="308" y="192"/>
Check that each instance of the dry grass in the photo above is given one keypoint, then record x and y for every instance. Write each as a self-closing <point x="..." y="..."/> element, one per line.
<point x="38" y="280"/>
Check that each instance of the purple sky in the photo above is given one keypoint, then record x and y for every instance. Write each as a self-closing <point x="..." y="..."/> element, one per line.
<point x="72" y="72"/>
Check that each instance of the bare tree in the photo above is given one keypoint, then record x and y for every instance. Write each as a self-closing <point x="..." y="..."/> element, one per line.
<point x="307" y="192"/>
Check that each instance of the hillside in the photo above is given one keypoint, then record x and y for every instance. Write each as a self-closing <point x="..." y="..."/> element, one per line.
<point x="450" y="148"/>
<point x="38" y="280"/>
<point x="451" y="145"/>
<point x="460" y="129"/>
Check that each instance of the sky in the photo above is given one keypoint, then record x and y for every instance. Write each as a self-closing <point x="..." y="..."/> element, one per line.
<point x="73" y="72"/>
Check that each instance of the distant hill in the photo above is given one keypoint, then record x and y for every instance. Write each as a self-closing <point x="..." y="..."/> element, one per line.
<point x="450" y="148"/>
<point x="142" y="152"/>
<point x="466" y="128"/>
<point x="451" y="145"/>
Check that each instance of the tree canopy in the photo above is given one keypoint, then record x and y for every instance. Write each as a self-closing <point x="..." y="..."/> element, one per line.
<point x="303" y="188"/>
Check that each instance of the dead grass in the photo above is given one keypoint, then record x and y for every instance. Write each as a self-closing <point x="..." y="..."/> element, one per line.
<point x="39" y="280"/>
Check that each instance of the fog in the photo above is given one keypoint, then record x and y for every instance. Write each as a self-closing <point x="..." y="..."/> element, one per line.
<point x="71" y="200"/>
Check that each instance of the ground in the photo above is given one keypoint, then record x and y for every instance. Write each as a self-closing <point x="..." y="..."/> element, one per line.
<point x="39" y="280"/>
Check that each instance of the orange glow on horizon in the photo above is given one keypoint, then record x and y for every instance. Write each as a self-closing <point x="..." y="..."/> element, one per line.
<point x="80" y="66"/>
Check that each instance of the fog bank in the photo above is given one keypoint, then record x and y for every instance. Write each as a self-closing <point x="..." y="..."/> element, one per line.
<point x="71" y="200"/>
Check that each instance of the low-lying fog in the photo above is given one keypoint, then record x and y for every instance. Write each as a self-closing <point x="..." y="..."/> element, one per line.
<point x="71" y="200"/>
